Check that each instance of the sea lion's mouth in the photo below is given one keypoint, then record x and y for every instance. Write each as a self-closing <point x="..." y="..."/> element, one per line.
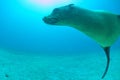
<point x="50" y="20"/>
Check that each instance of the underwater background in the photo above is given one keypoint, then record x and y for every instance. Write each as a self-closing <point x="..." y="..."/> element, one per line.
<point x="33" y="50"/>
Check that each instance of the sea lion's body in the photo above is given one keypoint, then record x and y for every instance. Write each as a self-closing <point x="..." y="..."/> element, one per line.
<point x="101" y="26"/>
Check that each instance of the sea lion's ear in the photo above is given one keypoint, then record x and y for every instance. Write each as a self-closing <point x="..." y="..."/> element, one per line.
<point x="71" y="5"/>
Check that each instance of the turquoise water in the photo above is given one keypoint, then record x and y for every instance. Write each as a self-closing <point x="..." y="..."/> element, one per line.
<point x="33" y="50"/>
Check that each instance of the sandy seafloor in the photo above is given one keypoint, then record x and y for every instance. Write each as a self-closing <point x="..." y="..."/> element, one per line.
<point x="82" y="67"/>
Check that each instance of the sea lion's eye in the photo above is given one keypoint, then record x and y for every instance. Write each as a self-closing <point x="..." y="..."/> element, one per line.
<point x="55" y="10"/>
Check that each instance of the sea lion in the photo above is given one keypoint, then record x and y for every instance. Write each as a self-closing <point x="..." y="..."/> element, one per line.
<point x="103" y="27"/>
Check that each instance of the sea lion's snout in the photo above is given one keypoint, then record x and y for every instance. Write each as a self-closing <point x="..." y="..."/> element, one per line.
<point x="49" y="20"/>
<point x="44" y="19"/>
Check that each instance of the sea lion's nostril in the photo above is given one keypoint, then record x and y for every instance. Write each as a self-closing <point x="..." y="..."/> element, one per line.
<point x="44" y="18"/>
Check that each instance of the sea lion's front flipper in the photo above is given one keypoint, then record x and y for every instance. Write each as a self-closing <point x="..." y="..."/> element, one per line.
<point x="107" y="52"/>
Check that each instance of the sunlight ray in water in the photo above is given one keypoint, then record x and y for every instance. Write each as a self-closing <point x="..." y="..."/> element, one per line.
<point x="45" y="3"/>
